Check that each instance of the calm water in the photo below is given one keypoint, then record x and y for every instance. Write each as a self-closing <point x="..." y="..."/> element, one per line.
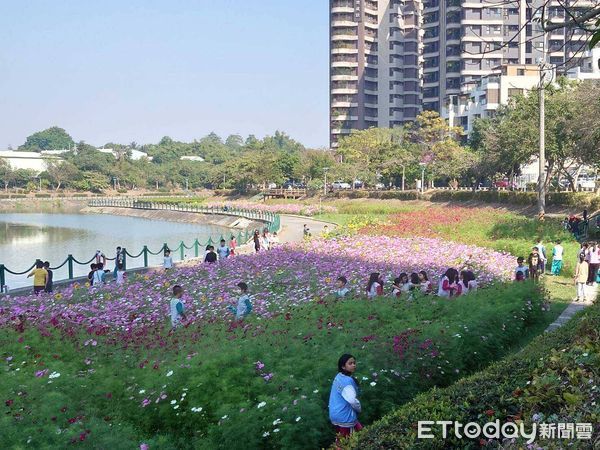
<point x="51" y="237"/>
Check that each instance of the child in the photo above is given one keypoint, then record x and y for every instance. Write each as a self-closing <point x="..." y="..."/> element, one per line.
<point x="581" y="277"/>
<point x="424" y="282"/>
<point x="232" y="245"/>
<point x="522" y="271"/>
<point x="343" y="402"/>
<point x="99" y="275"/>
<point x="223" y="250"/>
<point x="93" y="268"/>
<point x="342" y="289"/>
<point x="467" y="282"/>
<point x="168" y="260"/>
<point x="535" y="264"/>
<point x="557" y="258"/>
<point x="120" y="274"/>
<point x="375" y="285"/>
<point x="244" y="307"/>
<point x="448" y="286"/>
<point x="211" y="256"/>
<point x="40" y="277"/>
<point x="177" y="311"/>
<point x="50" y="276"/>
<point x="401" y="284"/>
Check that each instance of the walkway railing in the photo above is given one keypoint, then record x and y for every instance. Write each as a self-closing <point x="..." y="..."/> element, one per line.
<point x="272" y="222"/>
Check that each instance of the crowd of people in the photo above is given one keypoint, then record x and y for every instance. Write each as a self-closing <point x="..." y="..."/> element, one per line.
<point x="586" y="269"/>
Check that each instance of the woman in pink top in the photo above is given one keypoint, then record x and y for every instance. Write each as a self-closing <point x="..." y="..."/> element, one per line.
<point x="594" y="261"/>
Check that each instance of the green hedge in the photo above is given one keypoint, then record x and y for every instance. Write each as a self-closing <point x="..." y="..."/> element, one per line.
<point x="579" y="200"/>
<point x="382" y="195"/>
<point x="552" y="380"/>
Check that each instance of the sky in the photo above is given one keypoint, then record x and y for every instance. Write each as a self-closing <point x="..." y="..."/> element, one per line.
<point x="138" y="70"/>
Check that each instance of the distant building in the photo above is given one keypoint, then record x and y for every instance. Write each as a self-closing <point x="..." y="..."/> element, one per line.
<point x="192" y="158"/>
<point x="507" y="81"/>
<point x="27" y="160"/>
<point x="136" y="155"/>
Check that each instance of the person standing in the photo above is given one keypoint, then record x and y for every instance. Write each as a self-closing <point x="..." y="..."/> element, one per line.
<point x="232" y="245"/>
<point x="256" y="239"/>
<point x="40" y="277"/>
<point x="100" y="258"/>
<point x="535" y="264"/>
<point x="168" y="260"/>
<point x="223" y="251"/>
<point x="118" y="260"/>
<point x="49" y="284"/>
<point x="581" y="277"/>
<point x="542" y="253"/>
<point x="594" y="262"/>
<point x="176" y="307"/>
<point x="557" y="258"/>
<point x="344" y="405"/>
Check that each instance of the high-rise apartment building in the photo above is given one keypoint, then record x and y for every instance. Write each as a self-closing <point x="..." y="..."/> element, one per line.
<point x="390" y="59"/>
<point x="375" y="66"/>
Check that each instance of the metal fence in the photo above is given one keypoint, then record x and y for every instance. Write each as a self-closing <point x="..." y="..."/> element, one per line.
<point x="272" y="222"/>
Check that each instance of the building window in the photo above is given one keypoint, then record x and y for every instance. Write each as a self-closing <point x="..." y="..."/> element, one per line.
<point x="512" y="92"/>
<point x="521" y="72"/>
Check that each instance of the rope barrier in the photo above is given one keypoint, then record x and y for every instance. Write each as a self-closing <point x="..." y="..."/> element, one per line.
<point x="273" y="224"/>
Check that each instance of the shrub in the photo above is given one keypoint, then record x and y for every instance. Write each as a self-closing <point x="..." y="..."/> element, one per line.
<point x="549" y="381"/>
<point x="578" y="200"/>
<point x="42" y="195"/>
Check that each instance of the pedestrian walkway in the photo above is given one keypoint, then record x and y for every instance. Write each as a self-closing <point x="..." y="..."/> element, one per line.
<point x="591" y="293"/>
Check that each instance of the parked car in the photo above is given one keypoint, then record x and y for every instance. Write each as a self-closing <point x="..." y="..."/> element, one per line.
<point x="586" y="183"/>
<point x="340" y="185"/>
<point x="358" y="184"/>
<point x="504" y="183"/>
<point x="272" y="186"/>
<point x="380" y="186"/>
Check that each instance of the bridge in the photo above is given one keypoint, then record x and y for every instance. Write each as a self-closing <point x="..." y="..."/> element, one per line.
<point x="284" y="193"/>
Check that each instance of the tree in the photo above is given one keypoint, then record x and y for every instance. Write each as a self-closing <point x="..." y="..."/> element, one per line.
<point x="60" y="172"/>
<point x="54" y="138"/>
<point x="440" y="148"/>
<point x="511" y="138"/>
<point x="7" y="174"/>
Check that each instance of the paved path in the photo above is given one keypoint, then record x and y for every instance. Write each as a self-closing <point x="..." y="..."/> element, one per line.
<point x="292" y="227"/>
<point x="591" y="293"/>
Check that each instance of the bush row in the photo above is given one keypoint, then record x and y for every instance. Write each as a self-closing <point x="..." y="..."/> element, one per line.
<point x="382" y="195"/>
<point x="552" y="380"/>
<point x="579" y="200"/>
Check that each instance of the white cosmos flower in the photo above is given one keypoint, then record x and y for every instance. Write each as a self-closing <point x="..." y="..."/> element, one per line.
<point x="261" y="405"/>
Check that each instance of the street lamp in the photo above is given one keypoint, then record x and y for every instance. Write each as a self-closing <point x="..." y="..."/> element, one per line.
<point x="403" y="169"/>
<point x="325" y="169"/>
<point x="186" y="183"/>
<point x="422" y="164"/>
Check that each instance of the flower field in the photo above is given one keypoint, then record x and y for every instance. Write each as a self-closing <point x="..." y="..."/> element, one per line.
<point x="101" y="368"/>
<point x="278" y="208"/>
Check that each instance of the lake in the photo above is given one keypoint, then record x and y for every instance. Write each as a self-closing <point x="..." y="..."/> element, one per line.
<point x="51" y="237"/>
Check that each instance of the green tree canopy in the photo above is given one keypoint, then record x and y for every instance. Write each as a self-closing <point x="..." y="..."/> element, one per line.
<point x="54" y="138"/>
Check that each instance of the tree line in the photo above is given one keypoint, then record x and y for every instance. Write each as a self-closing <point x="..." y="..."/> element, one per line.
<point x="498" y="147"/>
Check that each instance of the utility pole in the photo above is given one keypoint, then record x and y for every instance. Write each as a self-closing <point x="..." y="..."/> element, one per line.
<point x="325" y="169"/>
<point x="542" y="125"/>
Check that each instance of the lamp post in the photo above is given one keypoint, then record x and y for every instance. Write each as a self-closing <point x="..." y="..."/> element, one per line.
<point x="325" y="169"/>
<point x="403" y="169"/>
<point x="186" y="184"/>
<point x="422" y="177"/>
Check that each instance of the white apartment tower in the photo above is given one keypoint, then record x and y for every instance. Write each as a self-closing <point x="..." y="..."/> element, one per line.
<point x="391" y="59"/>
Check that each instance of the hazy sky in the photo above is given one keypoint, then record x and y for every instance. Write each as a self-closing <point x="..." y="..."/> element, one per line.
<point x="137" y="70"/>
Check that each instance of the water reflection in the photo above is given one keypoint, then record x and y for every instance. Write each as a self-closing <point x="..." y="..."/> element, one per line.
<point x="51" y="237"/>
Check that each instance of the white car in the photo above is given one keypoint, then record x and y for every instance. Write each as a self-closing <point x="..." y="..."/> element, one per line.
<point x="340" y="185"/>
<point x="272" y="186"/>
<point x="586" y="183"/>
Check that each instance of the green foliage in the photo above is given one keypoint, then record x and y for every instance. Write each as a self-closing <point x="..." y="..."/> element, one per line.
<point x="547" y="382"/>
<point x="54" y="138"/>
<point x="102" y="387"/>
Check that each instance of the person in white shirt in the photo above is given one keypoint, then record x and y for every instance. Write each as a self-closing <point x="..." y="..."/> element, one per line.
<point x="594" y="262"/>
<point x="557" y="258"/>
<point x="375" y="285"/>
<point x="168" y="260"/>
<point x="176" y="307"/>
<point x="425" y="283"/>
<point x="244" y="306"/>
<point x="223" y="250"/>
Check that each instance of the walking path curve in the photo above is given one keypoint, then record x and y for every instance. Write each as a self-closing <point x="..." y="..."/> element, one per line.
<point x="591" y="293"/>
